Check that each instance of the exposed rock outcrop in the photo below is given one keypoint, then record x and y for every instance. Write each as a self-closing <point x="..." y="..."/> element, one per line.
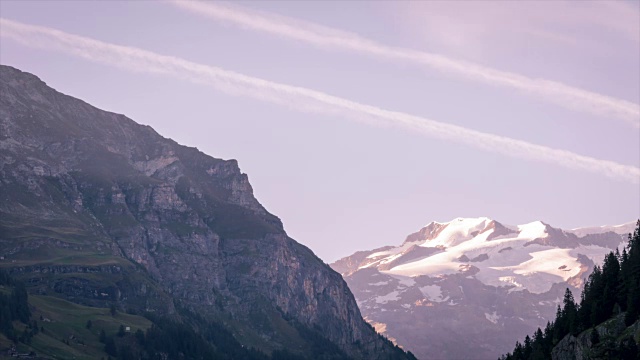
<point x="613" y="340"/>
<point x="84" y="192"/>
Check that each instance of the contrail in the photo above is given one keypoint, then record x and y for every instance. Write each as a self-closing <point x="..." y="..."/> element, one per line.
<point x="299" y="98"/>
<point x="564" y="95"/>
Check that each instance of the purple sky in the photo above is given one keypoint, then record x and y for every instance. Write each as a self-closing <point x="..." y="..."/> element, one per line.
<point x="474" y="131"/>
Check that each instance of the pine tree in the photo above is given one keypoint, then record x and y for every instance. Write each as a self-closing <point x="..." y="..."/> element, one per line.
<point x="569" y="313"/>
<point x="611" y="276"/>
<point x="558" y="332"/>
<point x="538" y="346"/>
<point x="20" y="298"/>
<point x="548" y="340"/>
<point x="608" y="291"/>
<point x="633" y="304"/>
<point x="633" y="281"/>
<point x="593" y="299"/>
<point x="528" y="347"/>
<point x="110" y="347"/>
<point x="623" y="288"/>
<point x="584" y="312"/>
<point x="518" y="352"/>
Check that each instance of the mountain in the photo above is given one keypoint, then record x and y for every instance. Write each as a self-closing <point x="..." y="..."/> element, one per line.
<point x="603" y="324"/>
<point x="101" y="211"/>
<point x="471" y="287"/>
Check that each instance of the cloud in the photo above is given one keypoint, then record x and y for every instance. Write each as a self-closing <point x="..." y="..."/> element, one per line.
<point x="566" y="22"/>
<point x="299" y="98"/>
<point x="561" y="94"/>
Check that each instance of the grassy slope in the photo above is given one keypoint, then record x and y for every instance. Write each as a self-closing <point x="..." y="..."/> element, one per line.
<point x="68" y="322"/>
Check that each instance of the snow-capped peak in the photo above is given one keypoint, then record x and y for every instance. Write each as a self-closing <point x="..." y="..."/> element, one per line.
<point x="533" y="256"/>
<point x="476" y="278"/>
<point x="457" y="231"/>
<point x="533" y="230"/>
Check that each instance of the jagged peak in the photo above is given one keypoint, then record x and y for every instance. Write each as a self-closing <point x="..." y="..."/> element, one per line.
<point x="533" y="229"/>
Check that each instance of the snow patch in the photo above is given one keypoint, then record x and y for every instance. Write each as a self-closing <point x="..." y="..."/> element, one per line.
<point x="392" y="296"/>
<point x="534" y="230"/>
<point x="511" y="280"/>
<point x="493" y="317"/>
<point x="433" y="293"/>
<point x="458" y="231"/>
<point x="405" y="281"/>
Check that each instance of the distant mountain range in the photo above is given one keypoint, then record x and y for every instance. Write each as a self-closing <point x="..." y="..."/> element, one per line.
<point x="469" y="288"/>
<point x="101" y="211"/>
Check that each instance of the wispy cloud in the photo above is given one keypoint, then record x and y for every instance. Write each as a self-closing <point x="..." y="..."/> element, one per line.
<point x="299" y="98"/>
<point x="491" y="24"/>
<point x="564" y="95"/>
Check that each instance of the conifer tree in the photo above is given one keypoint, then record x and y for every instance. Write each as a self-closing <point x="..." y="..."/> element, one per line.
<point x="609" y="290"/>
<point x="633" y="281"/>
<point x="569" y="313"/>
<point x="20" y="299"/>
<point x="611" y="276"/>
<point x="528" y="347"/>
<point x="623" y="289"/>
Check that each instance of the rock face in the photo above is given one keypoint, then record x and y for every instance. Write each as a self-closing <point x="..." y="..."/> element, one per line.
<point x="470" y="288"/>
<point x="613" y="337"/>
<point x="99" y="209"/>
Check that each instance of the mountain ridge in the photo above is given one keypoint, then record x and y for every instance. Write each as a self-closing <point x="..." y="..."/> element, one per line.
<point x="471" y="278"/>
<point x="100" y="210"/>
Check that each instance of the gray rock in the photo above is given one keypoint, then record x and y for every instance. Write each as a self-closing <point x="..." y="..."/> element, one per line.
<point x="611" y="333"/>
<point x="92" y="203"/>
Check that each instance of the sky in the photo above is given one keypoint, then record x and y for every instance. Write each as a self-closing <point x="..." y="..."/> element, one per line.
<point x="360" y="122"/>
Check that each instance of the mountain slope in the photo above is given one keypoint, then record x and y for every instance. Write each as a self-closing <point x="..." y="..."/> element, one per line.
<point x="603" y="324"/>
<point x="98" y="209"/>
<point x="473" y="279"/>
<point x="54" y="328"/>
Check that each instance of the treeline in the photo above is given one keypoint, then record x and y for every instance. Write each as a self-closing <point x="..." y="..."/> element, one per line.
<point x="320" y="348"/>
<point x="169" y="339"/>
<point x="398" y="352"/>
<point x="189" y="336"/>
<point x="14" y="306"/>
<point x="609" y="291"/>
<point x="194" y="338"/>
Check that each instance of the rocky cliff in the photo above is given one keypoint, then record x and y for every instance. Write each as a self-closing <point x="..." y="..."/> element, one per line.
<point x="98" y="209"/>
<point x="613" y="341"/>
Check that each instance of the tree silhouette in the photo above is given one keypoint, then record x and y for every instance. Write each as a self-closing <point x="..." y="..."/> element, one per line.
<point x="610" y="289"/>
